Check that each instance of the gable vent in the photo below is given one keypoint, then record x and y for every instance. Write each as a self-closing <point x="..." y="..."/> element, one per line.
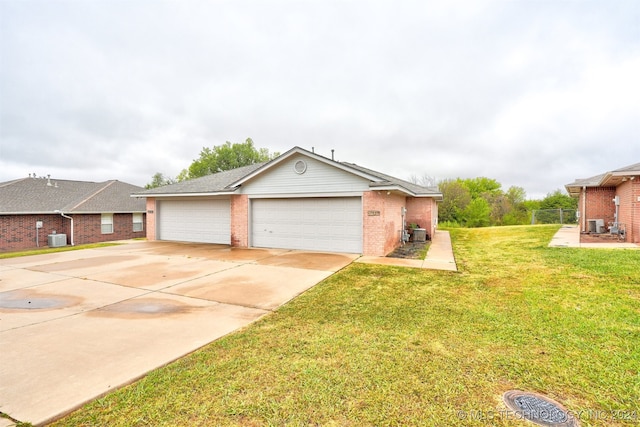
<point x="300" y="167"/>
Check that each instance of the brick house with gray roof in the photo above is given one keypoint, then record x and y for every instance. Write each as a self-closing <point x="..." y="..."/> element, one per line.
<point x="33" y="208"/>
<point x="610" y="202"/>
<point x="299" y="200"/>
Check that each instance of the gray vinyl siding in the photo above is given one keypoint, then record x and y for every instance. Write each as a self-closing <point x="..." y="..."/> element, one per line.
<point x="318" y="178"/>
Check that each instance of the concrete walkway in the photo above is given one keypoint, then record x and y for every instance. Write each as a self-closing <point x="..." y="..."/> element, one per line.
<point x="569" y="237"/>
<point x="439" y="257"/>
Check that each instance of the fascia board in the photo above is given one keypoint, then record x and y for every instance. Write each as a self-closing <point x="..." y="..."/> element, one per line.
<point x="303" y="195"/>
<point x="164" y="195"/>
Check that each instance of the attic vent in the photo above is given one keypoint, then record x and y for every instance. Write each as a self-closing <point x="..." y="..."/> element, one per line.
<point x="300" y="167"/>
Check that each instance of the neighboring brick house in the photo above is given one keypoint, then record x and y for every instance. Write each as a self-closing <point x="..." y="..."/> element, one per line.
<point x="33" y="208"/>
<point x="602" y="196"/>
<point x="300" y="200"/>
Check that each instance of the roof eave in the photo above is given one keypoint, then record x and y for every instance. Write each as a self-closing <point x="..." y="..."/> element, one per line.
<point x="198" y="194"/>
<point x="73" y="212"/>
<point x="400" y="189"/>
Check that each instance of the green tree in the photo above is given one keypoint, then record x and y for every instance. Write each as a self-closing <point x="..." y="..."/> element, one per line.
<point x="516" y="195"/>
<point x="455" y="198"/>
<point x="477" y="213"/>
<point x="158" y="180"/>
<point x="557" y="200"/>
<point x="518" y="213"/>
<point x="226" y="157"/>
<point x="482" y="186"/>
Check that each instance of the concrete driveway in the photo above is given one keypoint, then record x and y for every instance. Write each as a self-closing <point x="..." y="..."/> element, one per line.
<point x="75" y="325"/>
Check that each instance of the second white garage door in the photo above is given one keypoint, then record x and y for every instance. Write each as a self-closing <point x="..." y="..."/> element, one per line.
<point x="201" y="221"/>
<point x="316" y="224"/>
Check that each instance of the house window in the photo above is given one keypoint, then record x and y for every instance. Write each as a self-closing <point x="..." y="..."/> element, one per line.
<point x="137" y="222"/>
<point x="106" y="223"/>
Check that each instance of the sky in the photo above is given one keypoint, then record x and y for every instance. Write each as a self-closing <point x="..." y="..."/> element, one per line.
<point x="531" y="93"/>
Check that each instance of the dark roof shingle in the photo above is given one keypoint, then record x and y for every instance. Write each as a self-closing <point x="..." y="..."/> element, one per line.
<point x="41" y="195"/>
<point x="214" y="183"/>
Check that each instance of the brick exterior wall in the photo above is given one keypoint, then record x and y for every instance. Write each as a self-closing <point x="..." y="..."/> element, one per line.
<point x="372" y="224"/>
<point x="240" y="221"/>
<point x="393" y="221"/>
<point x="421" y="211"/>
<point x="599" y="205"/>
<point x="87" y="229"/>
<point x="18" y="232"/>
<point x="151" y="218"/>
<point x="635" y="209"/>
<point x="629" y="209"/>
<point x="381" y="233"/>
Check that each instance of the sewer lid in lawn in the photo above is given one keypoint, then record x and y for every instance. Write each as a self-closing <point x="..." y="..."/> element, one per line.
<point x="538" y="409"/>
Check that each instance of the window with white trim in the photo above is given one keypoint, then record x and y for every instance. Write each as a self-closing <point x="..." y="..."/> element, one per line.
<point x="137" y="222"/>
<point x="106" y="223"/>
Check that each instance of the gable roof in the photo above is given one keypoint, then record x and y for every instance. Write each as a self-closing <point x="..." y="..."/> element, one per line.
<point x="228" y="182"/>
<point x="607" y="179"/>
<point x="45" y="196"/>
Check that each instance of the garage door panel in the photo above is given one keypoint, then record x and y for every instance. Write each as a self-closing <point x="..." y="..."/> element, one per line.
<point x="201" y="221"/>
<point x="322" y="224"/>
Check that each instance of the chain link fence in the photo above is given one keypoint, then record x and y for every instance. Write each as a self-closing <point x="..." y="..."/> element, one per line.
<point x="554" y="216"/>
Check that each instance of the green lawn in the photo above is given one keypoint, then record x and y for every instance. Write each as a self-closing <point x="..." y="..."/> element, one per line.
<point x="375" y="345"/>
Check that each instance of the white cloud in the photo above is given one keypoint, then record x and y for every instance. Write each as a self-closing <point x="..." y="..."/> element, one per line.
<point x="504" y="89"/>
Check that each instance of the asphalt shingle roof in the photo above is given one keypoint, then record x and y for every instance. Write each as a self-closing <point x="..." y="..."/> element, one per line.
<point x="214" y="183"/>
<point x="635" y="168"/>
<point x="595" y="181"/>
<point x="40" y="195"/>
<point x="587" y="182"/>
<point x="390" y="180"/>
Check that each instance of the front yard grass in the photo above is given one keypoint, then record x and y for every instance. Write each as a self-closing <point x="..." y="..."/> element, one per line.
<point x="375" y="345"/>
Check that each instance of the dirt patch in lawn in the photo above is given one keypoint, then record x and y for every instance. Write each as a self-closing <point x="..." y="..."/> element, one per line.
<point x="411" y="250"/>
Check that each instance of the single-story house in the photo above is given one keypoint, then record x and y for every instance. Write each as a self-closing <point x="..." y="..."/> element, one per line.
<point x="75" y="212"/>
<point x="300" y="200"/>
<point x="610" y="202"/>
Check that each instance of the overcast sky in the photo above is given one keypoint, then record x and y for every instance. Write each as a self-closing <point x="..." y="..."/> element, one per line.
<point x="532" y="93"/>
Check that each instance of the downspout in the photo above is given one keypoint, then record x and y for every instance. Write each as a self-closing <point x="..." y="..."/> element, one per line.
<point x="68" y="217"/>
<point x="584" y="209"/>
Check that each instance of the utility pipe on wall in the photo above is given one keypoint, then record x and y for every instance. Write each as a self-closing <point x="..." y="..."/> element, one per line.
<point x="584" y="209"/>
<point x="68" y="217"/>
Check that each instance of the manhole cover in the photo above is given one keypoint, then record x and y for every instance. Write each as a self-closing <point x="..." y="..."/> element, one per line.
<point x="538" y="409"/>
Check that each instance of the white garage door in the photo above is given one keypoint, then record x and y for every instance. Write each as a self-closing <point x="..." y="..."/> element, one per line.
<point x="317" y="224"/>
<point x="202" y="221"/>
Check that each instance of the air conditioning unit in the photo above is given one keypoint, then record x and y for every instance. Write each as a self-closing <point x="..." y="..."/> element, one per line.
<point x="596" y="225"/>
<point x="56" y="240"/>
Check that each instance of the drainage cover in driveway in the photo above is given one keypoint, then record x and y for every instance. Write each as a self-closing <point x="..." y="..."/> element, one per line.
<point x="538" y="409"/>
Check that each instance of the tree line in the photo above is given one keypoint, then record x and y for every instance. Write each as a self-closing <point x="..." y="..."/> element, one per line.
<point x="481" y="202"/>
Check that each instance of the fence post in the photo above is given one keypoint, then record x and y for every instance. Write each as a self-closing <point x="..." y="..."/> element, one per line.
<point x="533" y="217"/>
<point x="561" y="219"/>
